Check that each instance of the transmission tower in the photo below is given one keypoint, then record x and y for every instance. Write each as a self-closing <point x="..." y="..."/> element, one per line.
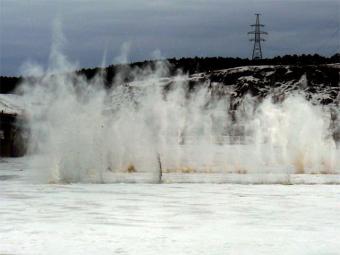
<point x="257" y="52"/>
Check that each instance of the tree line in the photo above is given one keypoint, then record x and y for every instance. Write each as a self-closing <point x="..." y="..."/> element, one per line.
<point x="186" y="65"/>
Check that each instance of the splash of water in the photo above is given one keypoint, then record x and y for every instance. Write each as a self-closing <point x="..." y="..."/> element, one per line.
<point x="86" y="133"/>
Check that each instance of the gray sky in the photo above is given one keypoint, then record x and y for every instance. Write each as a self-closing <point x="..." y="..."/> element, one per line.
<point x="177" y="28"/>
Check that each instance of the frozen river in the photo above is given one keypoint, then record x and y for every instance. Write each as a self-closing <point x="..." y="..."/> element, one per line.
<point x="165" y="218"/>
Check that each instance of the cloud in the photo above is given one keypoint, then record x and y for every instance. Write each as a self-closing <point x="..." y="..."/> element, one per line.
<point x="179" y="28"/>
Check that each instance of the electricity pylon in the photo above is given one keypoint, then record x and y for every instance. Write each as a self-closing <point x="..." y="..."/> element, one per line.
<point x="257" y="51"/>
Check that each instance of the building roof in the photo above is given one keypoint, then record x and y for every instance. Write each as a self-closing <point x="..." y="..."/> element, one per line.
<point x="11" y="104"/>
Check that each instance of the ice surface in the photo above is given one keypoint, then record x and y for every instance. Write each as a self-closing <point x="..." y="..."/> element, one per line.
<point x="164" y="218"/>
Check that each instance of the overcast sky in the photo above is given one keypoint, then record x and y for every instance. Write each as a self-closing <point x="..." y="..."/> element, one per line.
<point x="176" y="28"/>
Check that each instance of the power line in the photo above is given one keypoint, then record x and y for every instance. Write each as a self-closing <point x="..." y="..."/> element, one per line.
<point x="257" y="51"/>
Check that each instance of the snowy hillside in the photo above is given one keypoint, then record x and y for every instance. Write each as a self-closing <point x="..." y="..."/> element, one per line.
<point x="319" y="83"/>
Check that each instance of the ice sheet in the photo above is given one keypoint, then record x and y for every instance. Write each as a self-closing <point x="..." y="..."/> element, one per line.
<point x="165" y="218"/>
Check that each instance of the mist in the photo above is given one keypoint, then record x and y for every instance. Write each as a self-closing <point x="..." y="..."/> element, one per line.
<point x="84" y="132"/>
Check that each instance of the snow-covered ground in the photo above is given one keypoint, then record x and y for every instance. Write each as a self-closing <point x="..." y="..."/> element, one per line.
<point x="165" y="218"/>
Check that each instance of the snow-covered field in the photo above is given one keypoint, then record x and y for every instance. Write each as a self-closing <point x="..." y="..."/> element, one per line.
<point x="165" y="218"/>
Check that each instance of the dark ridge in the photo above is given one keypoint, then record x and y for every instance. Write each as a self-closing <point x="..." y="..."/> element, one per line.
<point x="187" y="65"/>
<point x="9" y="84"/>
